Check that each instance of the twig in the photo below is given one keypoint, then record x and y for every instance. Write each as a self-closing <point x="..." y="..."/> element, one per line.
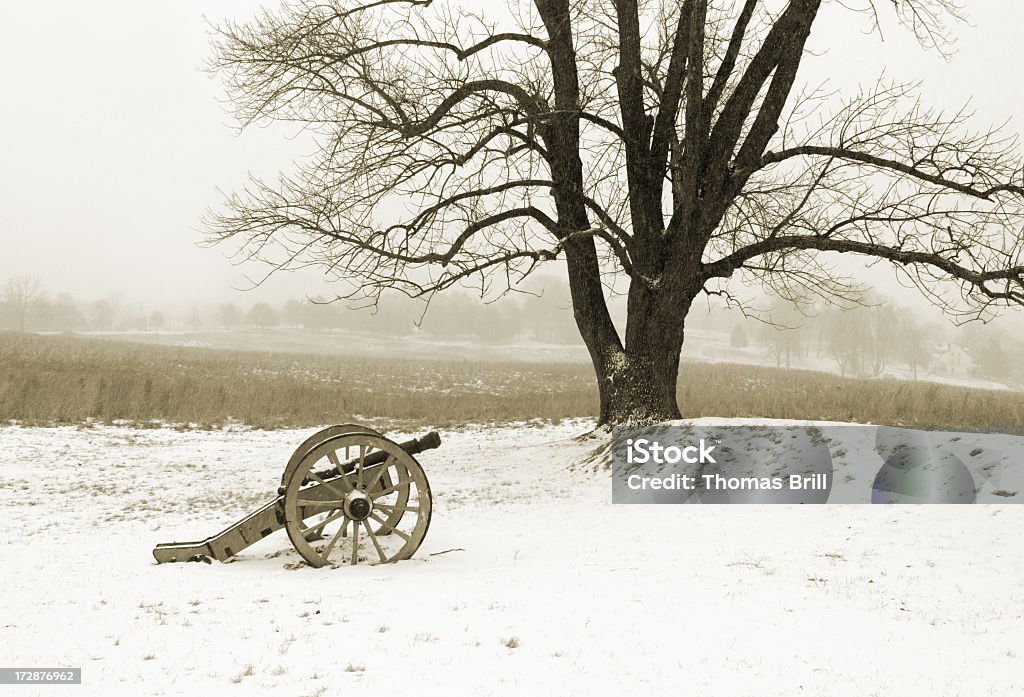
<point x="455" y="549"/>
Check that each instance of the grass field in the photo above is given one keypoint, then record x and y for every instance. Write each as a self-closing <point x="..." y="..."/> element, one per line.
<point x="69" y="379"/>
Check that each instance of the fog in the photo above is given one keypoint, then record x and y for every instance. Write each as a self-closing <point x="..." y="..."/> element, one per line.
<point x="115" y="140"/>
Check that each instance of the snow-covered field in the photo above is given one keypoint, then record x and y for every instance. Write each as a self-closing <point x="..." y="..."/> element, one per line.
<point x="529" y="582"/>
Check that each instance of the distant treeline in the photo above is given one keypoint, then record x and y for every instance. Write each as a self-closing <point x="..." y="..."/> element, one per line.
<point x="880" y="339"/>
<point x="865" y="341"/>
<point x="544" y="317"/>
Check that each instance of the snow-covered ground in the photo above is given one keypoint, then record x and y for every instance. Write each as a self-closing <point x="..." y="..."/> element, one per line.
<point x="529" y="582"/>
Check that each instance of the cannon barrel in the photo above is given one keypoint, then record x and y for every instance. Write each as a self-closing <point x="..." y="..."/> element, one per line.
<point x="418" y="445"/>
<point x="414" y="447"/>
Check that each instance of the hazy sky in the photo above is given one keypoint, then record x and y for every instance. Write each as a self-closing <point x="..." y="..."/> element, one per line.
<point x="114" y="142"/>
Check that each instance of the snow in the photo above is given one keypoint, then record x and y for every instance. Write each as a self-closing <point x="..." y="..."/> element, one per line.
<point x="529" y="581"/>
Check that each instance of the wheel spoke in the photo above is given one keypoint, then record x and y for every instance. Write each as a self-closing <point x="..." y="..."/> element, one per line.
<point x="355" y="543"/>
<point x="392" y="529"/>
<point x="392" y="509"/>
<point x="393" y="487"/>
<point x="329" y="484"/>
<point x="387" y="463"/>
<point x="334" y="540"/>
<point x="361" y="467"/>
<point x="319" y="531"/>
<point x="373" y="538"/>
<point x="348" y="481"/>
<point x="333" y="458"/>
<point x="325" y="521"/>
<point x="325" y="502"/>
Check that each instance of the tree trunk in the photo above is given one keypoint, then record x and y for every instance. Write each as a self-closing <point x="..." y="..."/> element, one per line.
<point x="637" y="382"/>
<point x="639" y="388"/>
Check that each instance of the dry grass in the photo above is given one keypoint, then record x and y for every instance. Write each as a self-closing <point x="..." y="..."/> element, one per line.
<point x="745" y="391"/>
<point x="65" y="379"/>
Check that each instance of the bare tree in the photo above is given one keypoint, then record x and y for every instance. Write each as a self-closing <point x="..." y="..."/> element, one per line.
<point x="103" y="315"/>
<point x="914" y="341"/>
<point x="784" y="336"/>
<point x="662" y="143"/>
<point x="230" y="315"/>
<point x="862" y="338"/>
<point x="843" y="341"/>
<point x="261" y="315"/>
<point x="20" y="294"/>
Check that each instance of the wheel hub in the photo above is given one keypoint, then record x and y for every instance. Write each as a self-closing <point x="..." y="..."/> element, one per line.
<point x="358" y="506"/>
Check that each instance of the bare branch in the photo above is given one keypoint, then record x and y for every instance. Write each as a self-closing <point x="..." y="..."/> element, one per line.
<point x="915" y="171"/>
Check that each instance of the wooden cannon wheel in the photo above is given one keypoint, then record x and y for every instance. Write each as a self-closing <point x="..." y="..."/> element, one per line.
<point x="355" y="497"/>
<point x="315" y="440"/>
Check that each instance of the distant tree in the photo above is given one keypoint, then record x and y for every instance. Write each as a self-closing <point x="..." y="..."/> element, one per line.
<point x="505" y="322"/>
<point x="842" y="341"/>
<point x="315" y="314"/>
<point x="65" y="314"/>
<point x="230" y="316"/>
<point x="550" y="316"/>
<point x="991" y="351"/>
<point x="914" y="341"/>
<point x="292" y="313"/>
<point x="860" y="339"/>
<point x="319" y="314"/>
<point x="102" y="315"/>
<point x="991" y="359"/>
<point x="666" y="142"/>
<point x="156" y="320"/>
<point x="196" y="318"/>
<point x="879" y="337"/>
<point x="20" y="294"/>
<point x="453" y="316"/>
<point x="398" y="316"/>
<point x="782" y="344"/>
<point x="134" y="322"/>
<point x="784" y="334"/>
<point x="261" y="315"/>
<point x="467" y="317"/>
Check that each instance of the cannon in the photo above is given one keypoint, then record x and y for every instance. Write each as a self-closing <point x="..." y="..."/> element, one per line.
<point x="340" y="482"/>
